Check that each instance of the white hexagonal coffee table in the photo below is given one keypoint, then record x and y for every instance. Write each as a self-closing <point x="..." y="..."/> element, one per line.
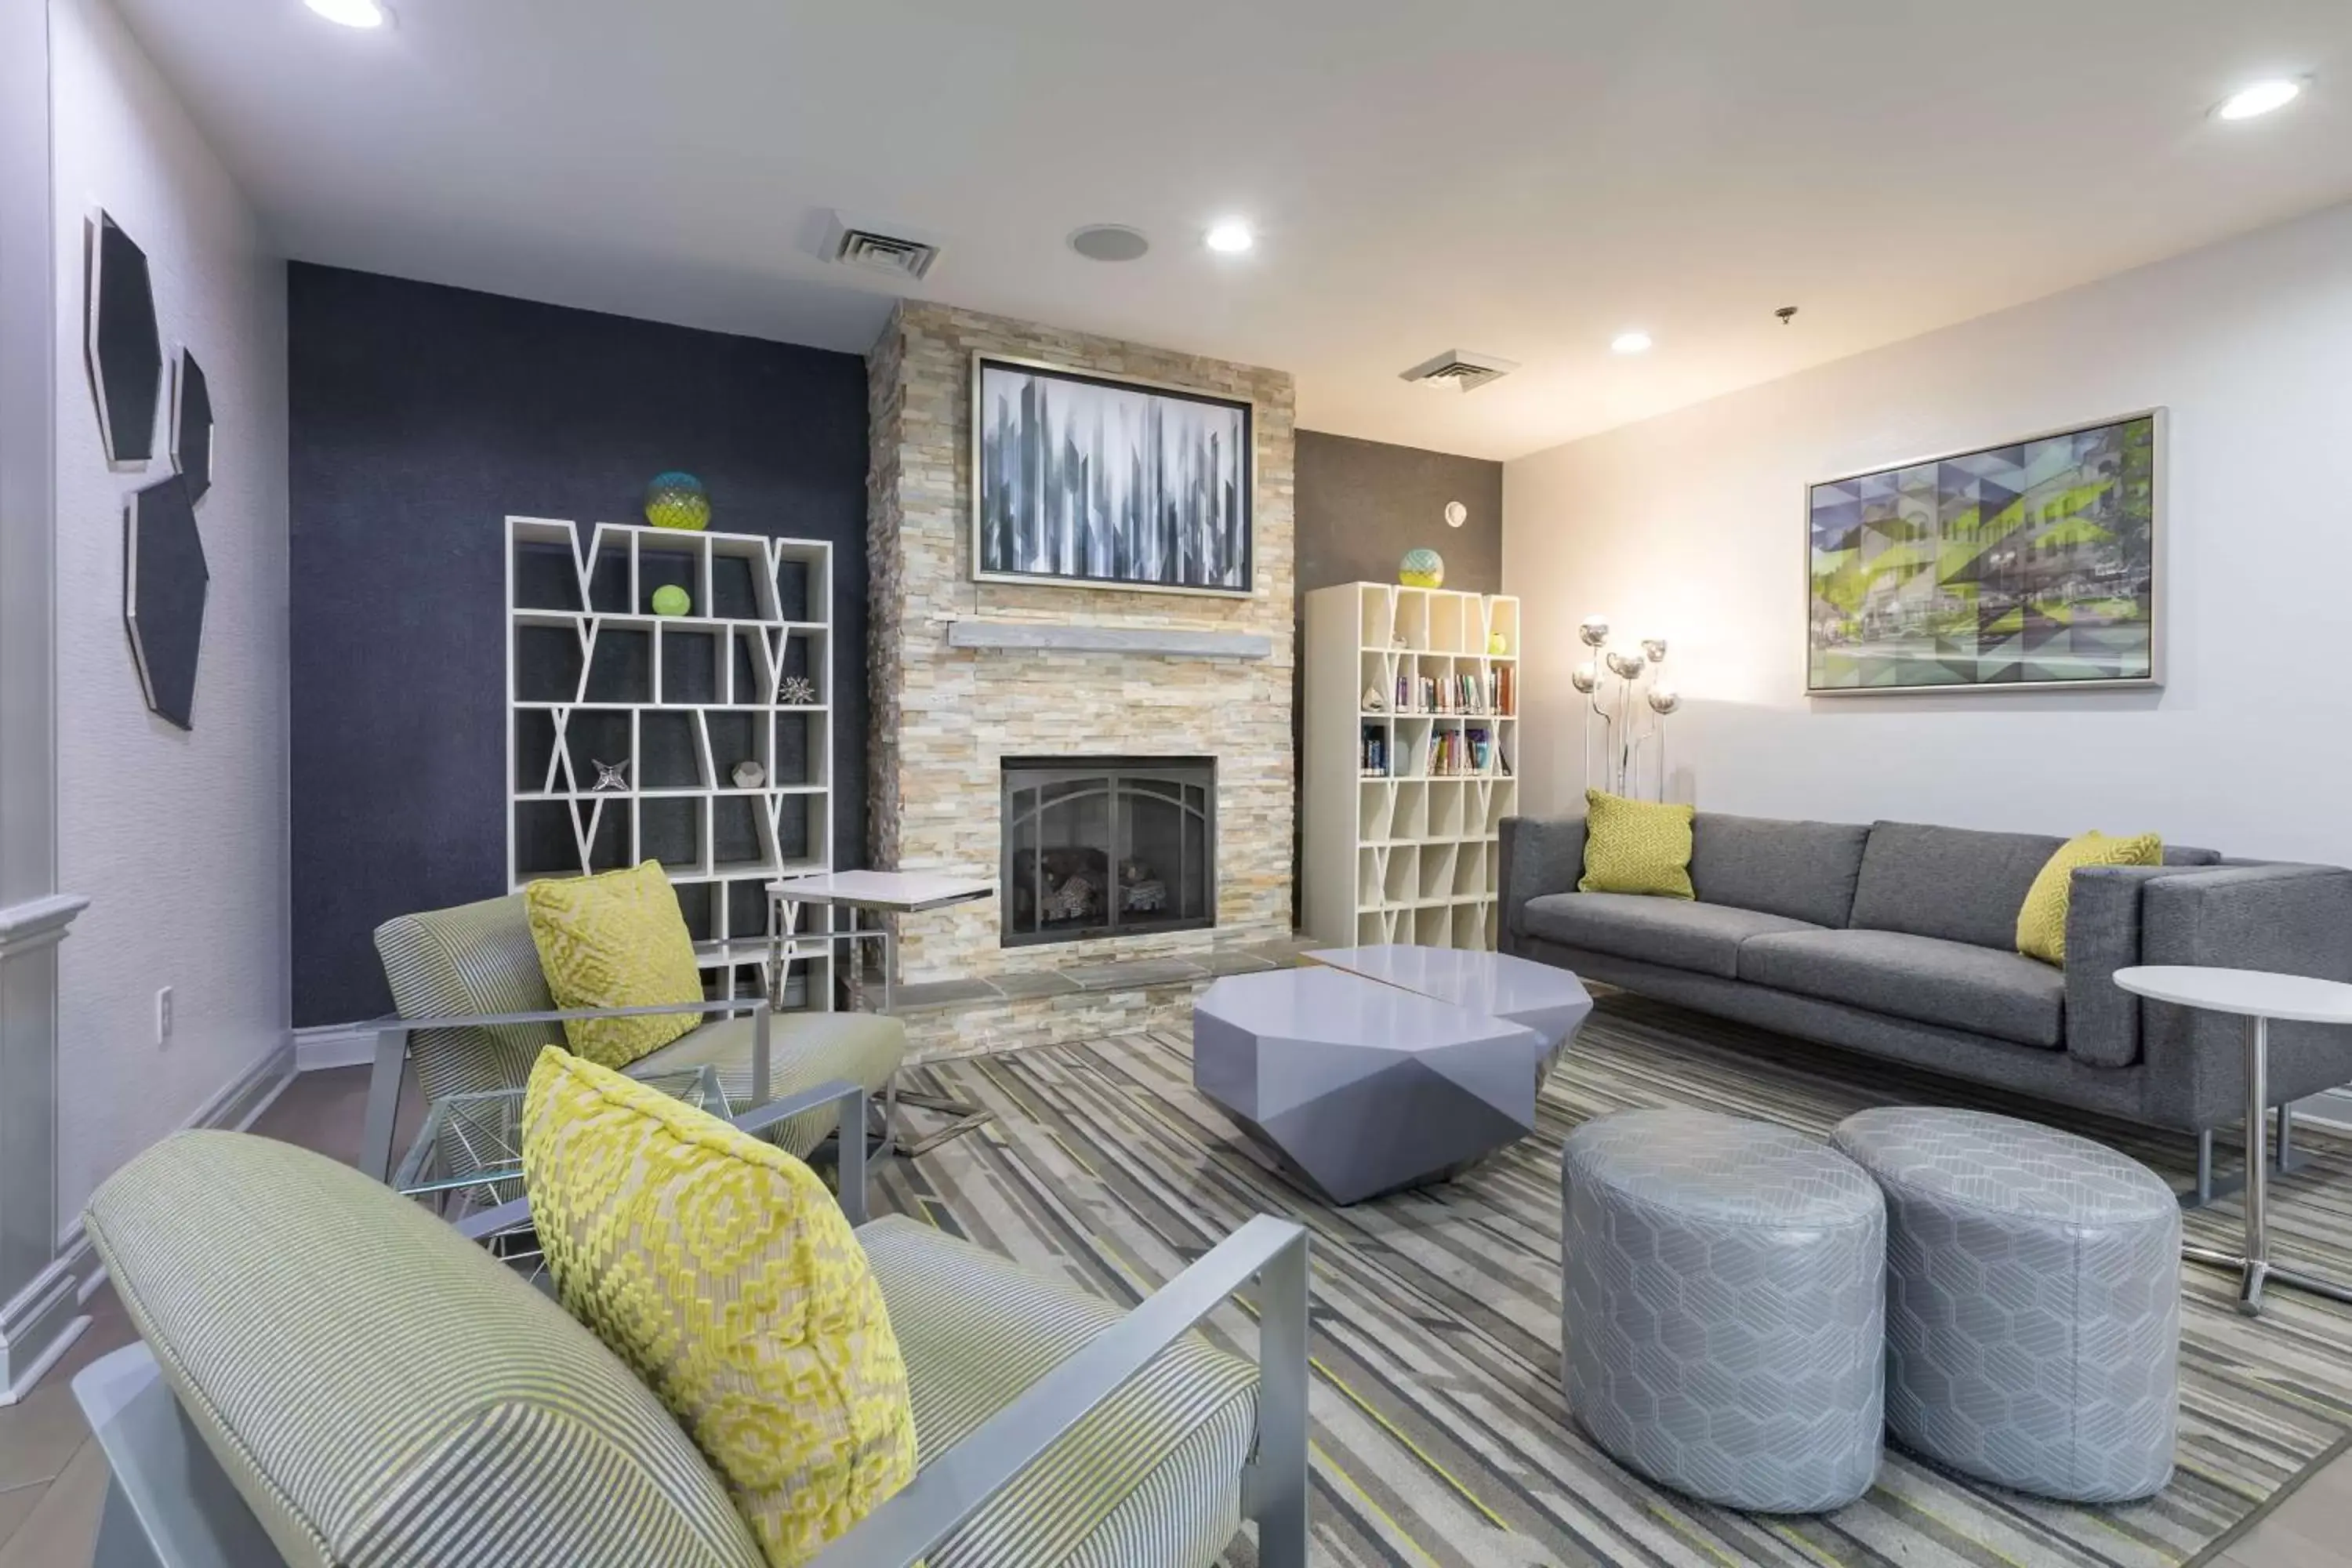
<point x="1363" y="1086"/>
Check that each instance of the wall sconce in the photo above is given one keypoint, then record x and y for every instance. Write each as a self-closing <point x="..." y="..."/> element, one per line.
<point x="1617" y="684"/>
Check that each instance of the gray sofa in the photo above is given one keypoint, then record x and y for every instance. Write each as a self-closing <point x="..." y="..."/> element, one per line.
<point x="1899" y="939"/>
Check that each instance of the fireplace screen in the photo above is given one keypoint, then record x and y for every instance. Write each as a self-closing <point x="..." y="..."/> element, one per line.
<point x="1108" y="846"/>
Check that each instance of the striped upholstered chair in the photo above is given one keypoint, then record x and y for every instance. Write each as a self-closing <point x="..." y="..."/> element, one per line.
<point x="474" y="1010"/>
<point x="333" y="1378"/>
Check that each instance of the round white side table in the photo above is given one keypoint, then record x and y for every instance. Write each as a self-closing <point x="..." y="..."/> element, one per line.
<point x="2264" y="998"/>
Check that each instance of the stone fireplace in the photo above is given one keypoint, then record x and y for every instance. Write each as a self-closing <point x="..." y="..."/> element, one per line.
<point x="973" y="682"/>
<point x="1103" y="847"/>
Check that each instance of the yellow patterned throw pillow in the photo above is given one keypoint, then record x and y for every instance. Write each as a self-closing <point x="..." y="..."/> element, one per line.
<point x="1635" y="846"/>
<point x="720" y="1270"/>
<point x="2042" y="919"/>
<point x="616" y="940"/>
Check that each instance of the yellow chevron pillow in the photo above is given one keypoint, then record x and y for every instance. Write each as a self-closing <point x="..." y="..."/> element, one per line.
<point x="1635" y="846"/>
<point x="721" y="1271"/>
<point x="615" y="939"/>
<point x="2041" y="919"/>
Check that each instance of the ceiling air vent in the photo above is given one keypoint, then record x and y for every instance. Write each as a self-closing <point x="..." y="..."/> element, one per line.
<point x="886" y="253"/>
<point x="862" y="245"/>
<point x="1461" y="370"/>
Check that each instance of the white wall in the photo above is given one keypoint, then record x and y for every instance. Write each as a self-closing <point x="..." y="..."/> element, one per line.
<point x="1692" y="524"/>
<point x="177" y="838"/>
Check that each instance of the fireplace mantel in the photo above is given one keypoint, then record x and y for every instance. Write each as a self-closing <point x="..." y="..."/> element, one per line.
<point x="1011" y="636"/>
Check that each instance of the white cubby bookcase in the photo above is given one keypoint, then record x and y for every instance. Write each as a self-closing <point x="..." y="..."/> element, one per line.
<point x="594" y="675"/>
<point x="1404" y="797"/>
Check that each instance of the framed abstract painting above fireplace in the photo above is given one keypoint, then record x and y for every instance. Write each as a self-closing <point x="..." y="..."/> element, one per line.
<point x="1101" y="483"/>
<point x="2031" y="564"/>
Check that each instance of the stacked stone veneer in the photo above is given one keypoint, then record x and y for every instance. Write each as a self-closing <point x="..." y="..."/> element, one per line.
<point x="943" y="718"/>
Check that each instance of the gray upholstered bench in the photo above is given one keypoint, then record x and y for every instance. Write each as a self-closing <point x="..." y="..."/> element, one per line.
<point x="1723" y="1298"/>
<point x="2033" y="1301"/>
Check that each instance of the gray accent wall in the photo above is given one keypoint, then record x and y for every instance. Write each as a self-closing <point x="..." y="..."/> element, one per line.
<point x="422" y="417"/>
<point x="1362" y="504"/>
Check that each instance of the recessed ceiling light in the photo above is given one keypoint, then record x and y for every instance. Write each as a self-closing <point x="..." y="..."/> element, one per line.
<point x="351" y="12"/>
<point x="1629" y="343"/>
<point x="2258" y="98"/>
<point x="1109" y="242"/>
<point x="1229" y="236"/>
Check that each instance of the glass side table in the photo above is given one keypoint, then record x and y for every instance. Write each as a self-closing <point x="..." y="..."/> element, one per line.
<point x="467" y="1156"/>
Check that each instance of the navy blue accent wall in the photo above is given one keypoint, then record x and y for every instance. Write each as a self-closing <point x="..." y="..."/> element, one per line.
<point x="421" y="418"/>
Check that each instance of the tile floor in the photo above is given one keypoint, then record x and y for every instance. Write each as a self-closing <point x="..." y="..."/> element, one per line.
<point x="53" y="1478"/>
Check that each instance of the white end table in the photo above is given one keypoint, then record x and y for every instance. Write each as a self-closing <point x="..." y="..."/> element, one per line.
<point x="886" y="893"/>
<point x="2251" y="994"/>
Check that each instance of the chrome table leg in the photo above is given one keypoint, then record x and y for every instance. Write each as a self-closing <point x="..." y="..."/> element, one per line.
<point x="2253" y="1266"/>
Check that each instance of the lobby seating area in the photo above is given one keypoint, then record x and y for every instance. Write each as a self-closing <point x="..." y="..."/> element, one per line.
<point x="428" y="1371"/>
<point x="475" y="1011"/>
<point x="1899" y="939"/>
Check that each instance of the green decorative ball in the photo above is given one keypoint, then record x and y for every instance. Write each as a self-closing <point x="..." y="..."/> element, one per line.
<point x="676" y="500"/>
<point x="672" y="600"/>
<point x="1421" y="569"/>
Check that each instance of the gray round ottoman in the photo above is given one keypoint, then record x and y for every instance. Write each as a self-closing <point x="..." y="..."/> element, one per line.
<point x="2033" y="1301"/>
<point x="1722" y="1305"/>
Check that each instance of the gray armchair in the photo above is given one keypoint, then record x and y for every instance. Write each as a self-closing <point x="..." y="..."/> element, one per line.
<point x="330" y="1375"/>
<point x="474" y="1011"/>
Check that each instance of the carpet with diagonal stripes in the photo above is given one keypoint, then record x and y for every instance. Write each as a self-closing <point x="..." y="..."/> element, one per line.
<point x="1439" y="1429"/>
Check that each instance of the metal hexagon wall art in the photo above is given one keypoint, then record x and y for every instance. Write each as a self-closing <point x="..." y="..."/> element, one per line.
<point x="121" y="344"/>
<point x="192" y="426"/>
<point x="163" y="583"/>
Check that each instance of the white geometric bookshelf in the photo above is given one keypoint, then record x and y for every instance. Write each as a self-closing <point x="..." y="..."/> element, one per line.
<point x="1404" y="802"/>
<point x="594" y="675"/>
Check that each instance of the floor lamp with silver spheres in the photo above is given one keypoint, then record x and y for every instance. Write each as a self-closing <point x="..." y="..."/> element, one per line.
<point x="1625" y="691"/>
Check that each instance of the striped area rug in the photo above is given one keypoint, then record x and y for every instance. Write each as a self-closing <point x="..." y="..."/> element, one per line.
<point x="1439" y="1435"/>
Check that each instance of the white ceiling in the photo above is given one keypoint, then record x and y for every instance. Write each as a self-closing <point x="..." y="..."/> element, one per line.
<point x="1520" y="177"/>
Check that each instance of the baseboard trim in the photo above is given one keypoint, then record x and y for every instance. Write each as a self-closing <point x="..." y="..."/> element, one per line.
<point x="237" y="1106"/>
<point x="45" y="1313"/>
<point x="2330" y="1107"/>
<point x="325" y="1045"/>
<point x="240" y="1105"/>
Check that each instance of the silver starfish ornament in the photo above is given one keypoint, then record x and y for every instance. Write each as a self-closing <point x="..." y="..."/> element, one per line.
<point x="611" y="775"/>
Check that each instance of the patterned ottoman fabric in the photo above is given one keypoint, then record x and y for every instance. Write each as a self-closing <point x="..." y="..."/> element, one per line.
<point x="1723" y="1300"/>
<point x="2033" y="1301"/>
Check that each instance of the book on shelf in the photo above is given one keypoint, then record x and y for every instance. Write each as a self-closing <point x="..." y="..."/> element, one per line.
<point x="1468" y="752"/>
<point x="1465" y="693"/>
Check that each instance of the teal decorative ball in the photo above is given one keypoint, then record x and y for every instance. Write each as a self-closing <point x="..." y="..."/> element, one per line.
<point x="1421" y="569"/>
<point x="672" y="600"/>
<point x="676" y="500"/>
